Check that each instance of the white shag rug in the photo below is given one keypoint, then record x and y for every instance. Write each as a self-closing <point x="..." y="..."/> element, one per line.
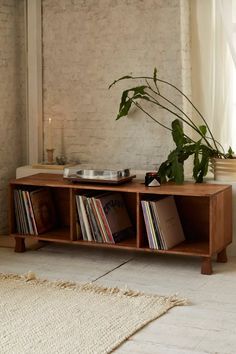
<point x="40" y="316"/>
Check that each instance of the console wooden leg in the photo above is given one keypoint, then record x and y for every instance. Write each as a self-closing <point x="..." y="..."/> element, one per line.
<point x="222" y="256"/>
<point x="206" y="266"/>
<point x="19" y="244"/>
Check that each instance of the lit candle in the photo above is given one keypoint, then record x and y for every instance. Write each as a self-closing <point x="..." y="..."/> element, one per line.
<point x="50" y="145"/>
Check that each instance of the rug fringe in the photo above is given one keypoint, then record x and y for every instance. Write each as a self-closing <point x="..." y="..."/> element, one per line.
<point x="31" y="277"/>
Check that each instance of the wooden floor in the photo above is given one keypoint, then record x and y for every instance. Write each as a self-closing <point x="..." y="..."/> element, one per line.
<point x="206" y="325"/>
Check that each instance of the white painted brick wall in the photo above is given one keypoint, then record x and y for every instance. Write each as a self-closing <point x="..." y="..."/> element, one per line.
<point x="12" y="98"/>
<point x="86" y="45"/>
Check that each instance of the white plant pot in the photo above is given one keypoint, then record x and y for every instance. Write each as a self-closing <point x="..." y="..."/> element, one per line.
<point x="224" y="169"/>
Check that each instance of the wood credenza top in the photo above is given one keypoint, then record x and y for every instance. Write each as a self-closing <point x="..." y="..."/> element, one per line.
<point x="186" y="189"/>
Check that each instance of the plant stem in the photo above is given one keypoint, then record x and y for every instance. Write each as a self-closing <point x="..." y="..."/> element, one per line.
<point x="172" y="112"/>
<point x="193" y="126"/>
<point x="185" y="96"/>
<point x="162" y="125"/>
<point x="199" y="113"/>
<point x="149" y="115"/>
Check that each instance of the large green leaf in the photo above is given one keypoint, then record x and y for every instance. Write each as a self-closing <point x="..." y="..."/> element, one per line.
<point x="177" y="169"/>
<point x="177" y="133"/>
<point x="139" y="89"/>
<point x="201" y="169"/>
<point x="130" y="95"/>
<point x="164" y="170"/>
<point x="230" y="153"/>
<point x="125" y="105"/>
<point x="186" y="151"/>
<point x="124" y="98"/>
<point x="196" y="160"/>
<point x="204" y="163"/>
<point x="124" y="109"/>
<point x="143" y="97"/>
<point x="203" y="129"/>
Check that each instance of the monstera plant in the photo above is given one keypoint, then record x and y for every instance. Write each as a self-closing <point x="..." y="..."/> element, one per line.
<point x="203" y="148"/>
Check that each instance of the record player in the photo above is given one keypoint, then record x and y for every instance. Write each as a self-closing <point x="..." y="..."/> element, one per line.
<point x="108" y="176"/>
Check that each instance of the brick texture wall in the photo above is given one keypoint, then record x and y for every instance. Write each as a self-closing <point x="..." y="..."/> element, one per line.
<point x="12" y="97"/>
<point x="89" y="43"/>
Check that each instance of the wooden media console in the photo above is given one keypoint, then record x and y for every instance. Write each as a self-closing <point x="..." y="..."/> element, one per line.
<point x="205" y="212"/>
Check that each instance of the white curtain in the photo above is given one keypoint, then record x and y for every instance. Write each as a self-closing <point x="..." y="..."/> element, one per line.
<point x="227" y="11"/>
<point x="213" y="69"/>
